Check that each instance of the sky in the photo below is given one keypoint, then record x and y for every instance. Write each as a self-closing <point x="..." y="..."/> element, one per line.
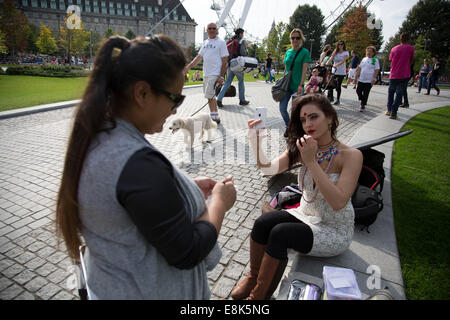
<point x="263" y="12"/>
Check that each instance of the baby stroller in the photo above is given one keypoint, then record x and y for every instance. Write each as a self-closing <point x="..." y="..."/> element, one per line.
<point x="328" y="81"/>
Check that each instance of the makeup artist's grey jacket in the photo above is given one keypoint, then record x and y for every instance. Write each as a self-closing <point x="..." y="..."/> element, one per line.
<point x="121" y="264"/>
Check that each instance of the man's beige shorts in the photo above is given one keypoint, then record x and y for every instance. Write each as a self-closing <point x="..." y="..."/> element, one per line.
<point x="208" y="86"/>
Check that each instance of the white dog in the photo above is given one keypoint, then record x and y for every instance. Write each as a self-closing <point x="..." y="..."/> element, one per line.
<point x="191" y="125"/>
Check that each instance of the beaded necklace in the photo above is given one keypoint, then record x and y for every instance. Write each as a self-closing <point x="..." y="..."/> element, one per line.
<point x="325" y="153"/>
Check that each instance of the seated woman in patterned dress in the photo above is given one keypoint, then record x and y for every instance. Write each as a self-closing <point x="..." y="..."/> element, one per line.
<point x="323" y="224"/>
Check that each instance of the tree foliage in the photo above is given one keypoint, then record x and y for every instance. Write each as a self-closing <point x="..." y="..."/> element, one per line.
<point x="31" y="34"/>
<point x="431" y="20"/>
<point x="376" y="34"/>
<point x="355" y="32"/>
<point x="420" y="53"/>
<point x="278" y="41"/>
<point x="73" y="41"/>
<point x="108" y="33"/>
<point x="3" y="47"/>
<point x="13" y="22"/>
<point x="130" y="35"/>
<point x="45" y="42"/>
<point x="310" y="20"/>
<point x="257" y="50"/>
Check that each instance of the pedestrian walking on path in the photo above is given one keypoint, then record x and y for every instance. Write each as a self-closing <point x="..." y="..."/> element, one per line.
<point x="323" y="224"/>
<point x="433" y="76"/>
<point x="366" y="75"/>
<point x="424" y="71"/>
<point x="401" y="57"/>
<point x="339" y="58"/>
<point x="236" y="47"/>
<point x="298" y="72"/>
<point x="149" y="233"/>
<point x="214" y="54"/>
<point x="268" y="66"/>
<point x="352" y="71"/>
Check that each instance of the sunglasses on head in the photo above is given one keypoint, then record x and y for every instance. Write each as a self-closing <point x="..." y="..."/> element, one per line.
<point x="175" y="98"/>
<point x="295" y="38"/>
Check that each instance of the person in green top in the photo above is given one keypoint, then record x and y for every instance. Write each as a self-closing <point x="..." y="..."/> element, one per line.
<point x="298" y="72"/>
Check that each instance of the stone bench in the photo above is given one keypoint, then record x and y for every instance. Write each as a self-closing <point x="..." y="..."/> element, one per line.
<point x="372" y="256"/>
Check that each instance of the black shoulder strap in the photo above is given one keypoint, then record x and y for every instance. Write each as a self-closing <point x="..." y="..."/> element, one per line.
<point x="293" y="61"/>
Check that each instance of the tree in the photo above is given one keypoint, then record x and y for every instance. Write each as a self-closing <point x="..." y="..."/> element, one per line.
<point x="45" y="42"/>
<point x="257" y="50"/>
<point x="74" y="41"/>
<point x="420" y="53"/>
<point x="355" y="32"/>
<point x="108" y="33"/>
<point x="277" y="42"/>
<point x="12" y="23"/>
<point x="31" y="34"/>
<point x="130" y="35"/>
<point x="393" y="41"/>
<point x="431" y="20"/>
<point x="310" y="20"/>
<point x="192" y="51"/>
<point x="96" y="41"/>
<point x="375" y="33"/>
<point x="3" y="47"/>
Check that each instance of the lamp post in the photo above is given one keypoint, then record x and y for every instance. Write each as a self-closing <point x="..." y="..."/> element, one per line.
<point x="90" y="44"/>
<point x="310" y="48"/>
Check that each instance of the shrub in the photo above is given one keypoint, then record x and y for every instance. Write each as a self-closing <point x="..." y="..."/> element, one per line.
<point x="64" y="71"/>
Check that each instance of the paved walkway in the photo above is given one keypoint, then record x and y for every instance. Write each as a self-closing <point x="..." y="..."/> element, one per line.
<point x="33" y="265"/>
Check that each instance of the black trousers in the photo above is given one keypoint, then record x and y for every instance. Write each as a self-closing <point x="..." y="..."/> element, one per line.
<point x="338" y="82"/>
<point x="432" y="83"/>
<point x="280" y="231"/>
<point x="363" y="90"/>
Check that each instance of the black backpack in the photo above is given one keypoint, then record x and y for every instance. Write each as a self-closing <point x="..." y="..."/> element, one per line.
<point x="367" y="200"/>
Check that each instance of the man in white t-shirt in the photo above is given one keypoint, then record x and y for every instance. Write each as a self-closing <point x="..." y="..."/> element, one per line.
<point x="215" y="60"/>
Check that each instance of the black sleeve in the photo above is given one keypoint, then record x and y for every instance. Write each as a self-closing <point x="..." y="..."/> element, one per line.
<point x="146" y="189"/>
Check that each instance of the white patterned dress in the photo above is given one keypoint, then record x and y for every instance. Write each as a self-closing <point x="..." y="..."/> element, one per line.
<point x="332" y="230"/>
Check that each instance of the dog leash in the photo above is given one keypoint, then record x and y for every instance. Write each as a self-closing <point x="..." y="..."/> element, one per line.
<point x="215" y="85"/>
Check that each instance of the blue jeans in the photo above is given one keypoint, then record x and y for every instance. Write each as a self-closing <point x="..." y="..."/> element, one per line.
<point x="226" y="85"/>
<point x="423" y="82"/>
<point x="269" y="70"/>
<point x="397" y="87"/>
<point x="284" y="105"/>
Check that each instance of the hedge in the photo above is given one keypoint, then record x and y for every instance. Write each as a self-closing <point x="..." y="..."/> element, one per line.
<point x="63" y="71"/>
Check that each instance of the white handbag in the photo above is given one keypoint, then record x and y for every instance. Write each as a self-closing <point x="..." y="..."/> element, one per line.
<point x="243" y="64"/>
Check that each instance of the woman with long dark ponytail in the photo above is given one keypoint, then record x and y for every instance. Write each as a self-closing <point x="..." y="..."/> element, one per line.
<point x="148" y="232"/>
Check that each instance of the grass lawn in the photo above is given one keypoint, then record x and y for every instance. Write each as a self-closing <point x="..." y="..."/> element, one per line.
<point x="421" y="203"/>
<point x="248" y="77"/>
<point x="25" y="91"/>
